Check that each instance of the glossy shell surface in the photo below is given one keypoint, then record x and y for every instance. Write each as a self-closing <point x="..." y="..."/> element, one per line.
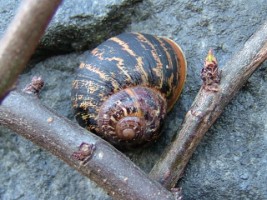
<point x="126" y="61"/>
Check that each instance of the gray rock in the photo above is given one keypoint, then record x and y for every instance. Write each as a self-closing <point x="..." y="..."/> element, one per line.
<point x="230" y="162"/>
<point x="7" y="12"/>
<point x="79" y="25"/>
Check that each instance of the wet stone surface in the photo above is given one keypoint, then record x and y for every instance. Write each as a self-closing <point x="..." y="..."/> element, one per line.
<point x="230" y="162"/>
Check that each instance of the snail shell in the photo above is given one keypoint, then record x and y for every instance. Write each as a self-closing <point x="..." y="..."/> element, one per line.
<point x="126" y="85"/>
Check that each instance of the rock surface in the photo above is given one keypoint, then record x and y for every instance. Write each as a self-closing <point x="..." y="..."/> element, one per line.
<point x="230" y="163"/>
<point x="7" y="12"/>
<point x="79" y="25"/>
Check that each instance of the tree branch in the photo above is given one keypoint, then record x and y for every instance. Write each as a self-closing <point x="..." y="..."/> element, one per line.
<point x="207" y="107"/>
<point x="82" y="150"/>
<point x="21" y="39"/>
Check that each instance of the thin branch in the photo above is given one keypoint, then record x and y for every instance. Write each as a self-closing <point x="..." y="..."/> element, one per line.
<point x="21" y="39"/>
<point x="207" y="107"/>
<point x="82" y="150"/>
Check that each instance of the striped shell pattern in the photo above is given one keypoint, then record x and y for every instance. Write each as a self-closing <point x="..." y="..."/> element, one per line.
<point x="125" y="87"/>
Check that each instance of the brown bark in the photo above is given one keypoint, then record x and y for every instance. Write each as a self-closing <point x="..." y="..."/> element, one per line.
<point x="207" y="107"/>
<point x="82" y="150"/>
<point x="21" y="39"/>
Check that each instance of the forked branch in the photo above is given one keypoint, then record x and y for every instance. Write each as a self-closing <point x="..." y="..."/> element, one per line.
<point x="207" y="107"/>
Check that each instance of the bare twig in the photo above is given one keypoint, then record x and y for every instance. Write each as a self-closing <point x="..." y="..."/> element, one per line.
<point x="81" y="149"/>
<point x="21" y="39"/>
<point x="207" y="107"/>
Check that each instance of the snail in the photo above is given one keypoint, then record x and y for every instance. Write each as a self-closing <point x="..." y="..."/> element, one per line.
<point x="125" y="87"/>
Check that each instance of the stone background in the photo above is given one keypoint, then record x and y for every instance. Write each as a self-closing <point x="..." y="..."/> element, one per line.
<point x="230" y="163"/>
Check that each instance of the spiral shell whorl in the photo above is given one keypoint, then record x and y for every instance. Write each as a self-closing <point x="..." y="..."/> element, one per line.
<point x="133" y="116"/>
<point x="130" y="65"/>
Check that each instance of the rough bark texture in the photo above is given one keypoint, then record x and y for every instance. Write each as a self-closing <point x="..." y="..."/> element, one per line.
<point x="102" y="163"/>
<point x="207" y="107"/>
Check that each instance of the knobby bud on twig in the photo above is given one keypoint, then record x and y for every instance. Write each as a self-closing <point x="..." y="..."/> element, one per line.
<point x="85" y="152"/>
<point x="35" y="86"/>
<point x="210" y="73"/>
